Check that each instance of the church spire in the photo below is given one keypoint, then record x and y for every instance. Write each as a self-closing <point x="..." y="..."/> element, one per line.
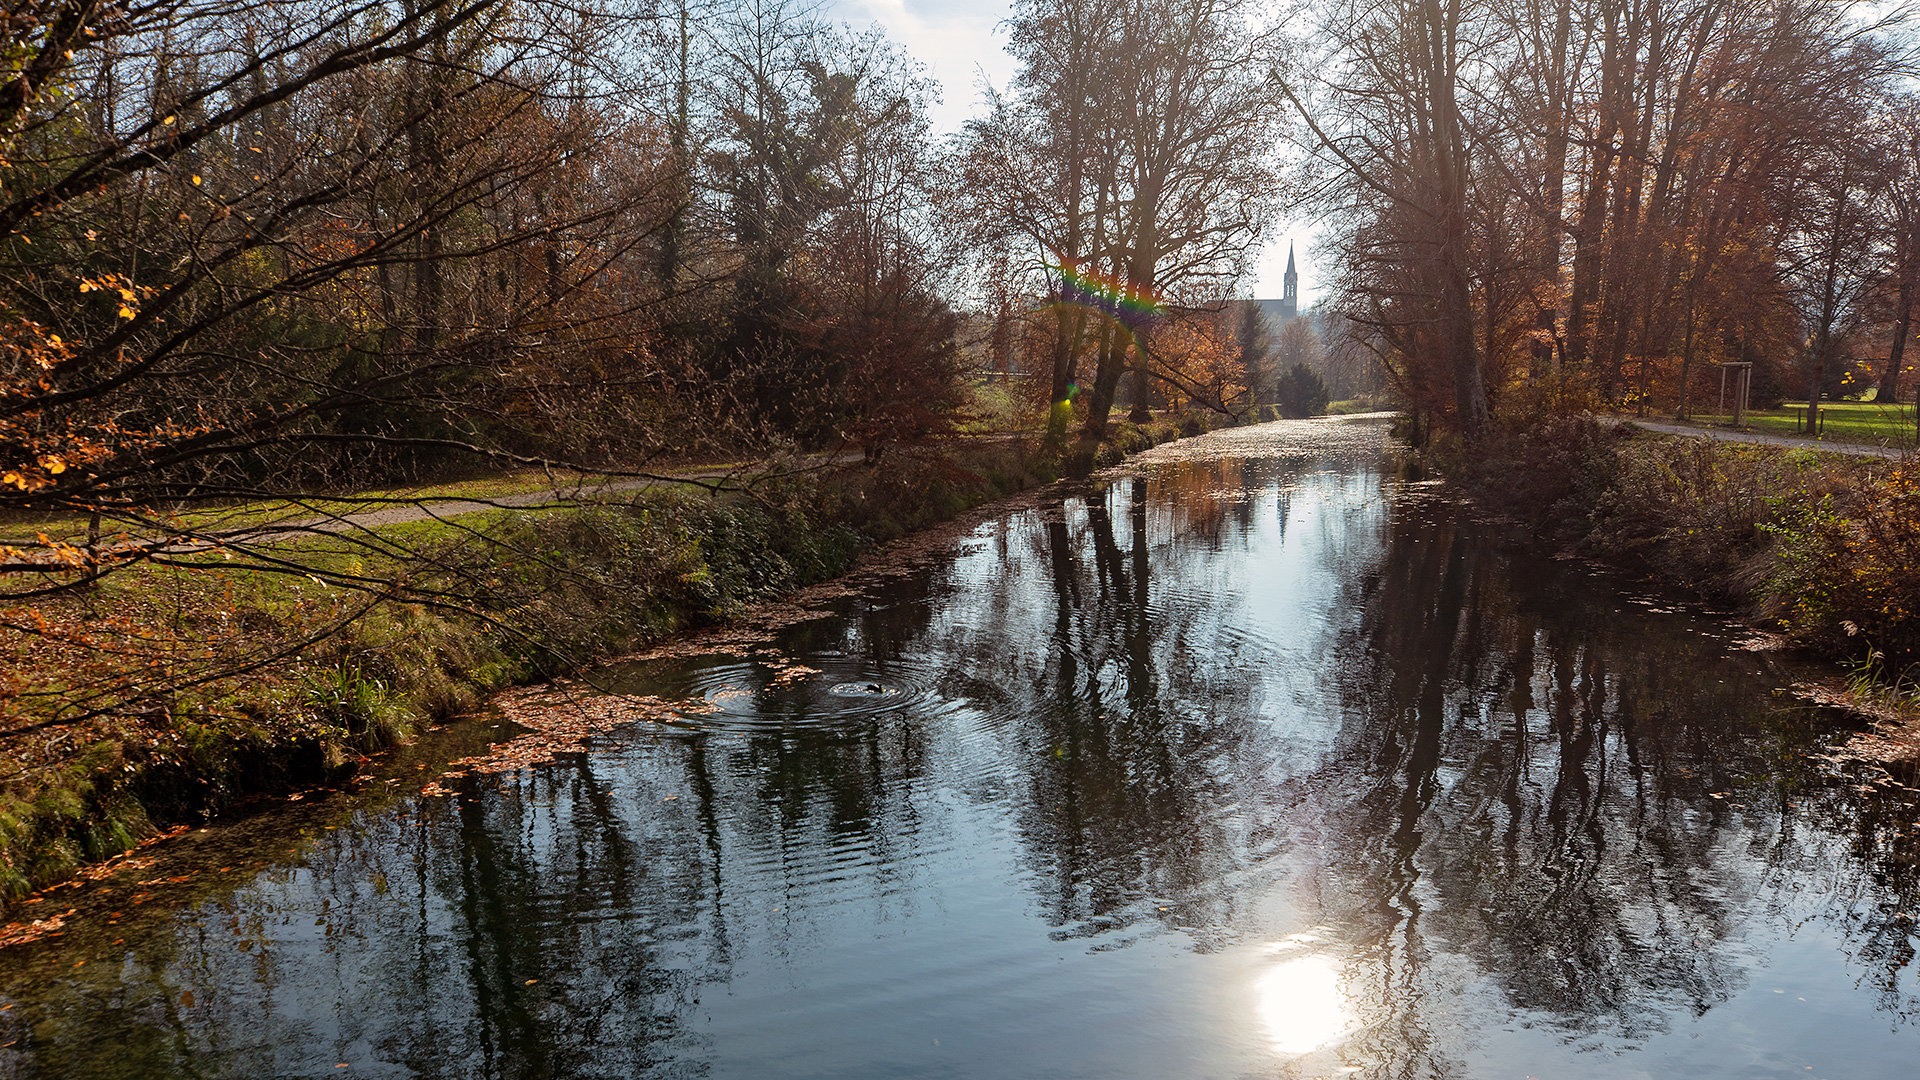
<point x="1290" y="288"/>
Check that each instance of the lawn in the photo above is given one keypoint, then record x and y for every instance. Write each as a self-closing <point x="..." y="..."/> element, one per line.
<point x="22" y="530"/>
<point x="1841" y="421"/>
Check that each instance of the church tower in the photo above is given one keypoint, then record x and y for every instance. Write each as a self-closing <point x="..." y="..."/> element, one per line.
<point x="1290" y="288"/>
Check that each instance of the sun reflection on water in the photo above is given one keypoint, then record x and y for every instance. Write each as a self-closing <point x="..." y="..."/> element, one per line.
<point x="1299" y="998"/>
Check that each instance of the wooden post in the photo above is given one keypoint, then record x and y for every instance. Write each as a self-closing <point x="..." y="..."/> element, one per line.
<point x="1742" y="387"/>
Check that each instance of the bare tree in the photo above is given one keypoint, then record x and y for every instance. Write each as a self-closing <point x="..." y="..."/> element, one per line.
<point x="1608" y="185"/>
<point x="232" y="258"/>
<point x="1384" y="109"/>
<point x="1138" y="177"/>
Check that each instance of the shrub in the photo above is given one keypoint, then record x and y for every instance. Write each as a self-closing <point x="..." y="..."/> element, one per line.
<point x="1828" y="547"/>
<point x="357" y="703"/>
<point x="1849" y="575"/>
<point x="1301" y="392"/>
<point x="1551" y="476"/>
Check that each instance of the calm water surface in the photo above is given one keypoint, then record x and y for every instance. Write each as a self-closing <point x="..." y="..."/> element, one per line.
<point x="1249" y="761"/>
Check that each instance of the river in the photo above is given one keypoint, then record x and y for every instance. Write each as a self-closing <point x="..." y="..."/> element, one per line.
<point x="1249" y="759"/>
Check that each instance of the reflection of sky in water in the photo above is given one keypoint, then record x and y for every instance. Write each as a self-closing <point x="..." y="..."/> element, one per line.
<point x="1250" y="768"/>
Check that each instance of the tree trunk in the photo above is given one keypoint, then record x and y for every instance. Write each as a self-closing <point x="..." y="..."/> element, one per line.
<point x="1896" y="355"/>
<point x="1110" y="365"/>
<point x="1589" y="237"/>
<point x="1450" y="163"/>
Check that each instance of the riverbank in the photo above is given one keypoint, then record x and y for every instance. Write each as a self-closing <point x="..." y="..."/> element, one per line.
<point x="1167" y="742"/>
<point x="1819" y="550"/>
<point x="175" y="694"/>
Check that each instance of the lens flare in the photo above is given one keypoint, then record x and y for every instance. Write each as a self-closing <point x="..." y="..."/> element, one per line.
<point x="1128" y="304"/>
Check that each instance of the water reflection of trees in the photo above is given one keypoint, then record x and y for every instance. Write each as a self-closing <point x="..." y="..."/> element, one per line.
<point x="1527" y="781"/>
<point x="1110" y="813"/>
<point x="473" y="940"/>
<point x="1136" y="728"/>
<point x="1513" y="790"/>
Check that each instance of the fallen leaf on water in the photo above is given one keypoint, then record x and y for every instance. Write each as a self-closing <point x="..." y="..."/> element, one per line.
<point x="21" y="933"/>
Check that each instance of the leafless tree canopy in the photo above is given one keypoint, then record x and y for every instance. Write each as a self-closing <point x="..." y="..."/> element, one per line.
<point x="1133" y="158"/>
<point x="1616" y="193"/>
<point x="248" y="248"/>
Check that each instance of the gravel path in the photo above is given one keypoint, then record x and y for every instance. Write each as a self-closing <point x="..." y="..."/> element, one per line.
<point x="323" y="516"/>
<point x="1668" y="427"/>
<point x="423" y="509"/>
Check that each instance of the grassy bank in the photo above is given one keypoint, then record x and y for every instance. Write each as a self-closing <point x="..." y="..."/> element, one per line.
<point x="1868" y="422"/>
<point x="172" y="694"/>
<point x="1823" y="548"/>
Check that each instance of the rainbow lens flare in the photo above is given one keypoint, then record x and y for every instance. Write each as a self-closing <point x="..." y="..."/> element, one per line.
<point x="1109" y="294"/>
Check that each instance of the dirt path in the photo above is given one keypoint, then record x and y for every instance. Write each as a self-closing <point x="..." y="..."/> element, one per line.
<point x="1698" y="431"/>
<point x="308" y="517"/>
<point x="403" y="510"/>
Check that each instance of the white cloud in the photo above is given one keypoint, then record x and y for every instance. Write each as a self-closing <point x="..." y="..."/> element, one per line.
<point x="956" y="40"/>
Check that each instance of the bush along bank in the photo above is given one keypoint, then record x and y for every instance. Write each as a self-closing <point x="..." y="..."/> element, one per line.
<point x="473" y="605"/>
<point x="1822" y="548"/>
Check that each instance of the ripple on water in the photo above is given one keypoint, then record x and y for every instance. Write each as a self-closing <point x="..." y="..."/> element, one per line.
<point x="726" y="693"/>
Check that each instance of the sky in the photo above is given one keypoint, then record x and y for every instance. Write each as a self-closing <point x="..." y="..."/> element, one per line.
<point x="961" y="43"/>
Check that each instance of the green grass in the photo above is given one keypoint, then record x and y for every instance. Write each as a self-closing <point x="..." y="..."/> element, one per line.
<point x="997" y="407"/>
<point x="22" y="530"/>
<point x="1842" y="421"/>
